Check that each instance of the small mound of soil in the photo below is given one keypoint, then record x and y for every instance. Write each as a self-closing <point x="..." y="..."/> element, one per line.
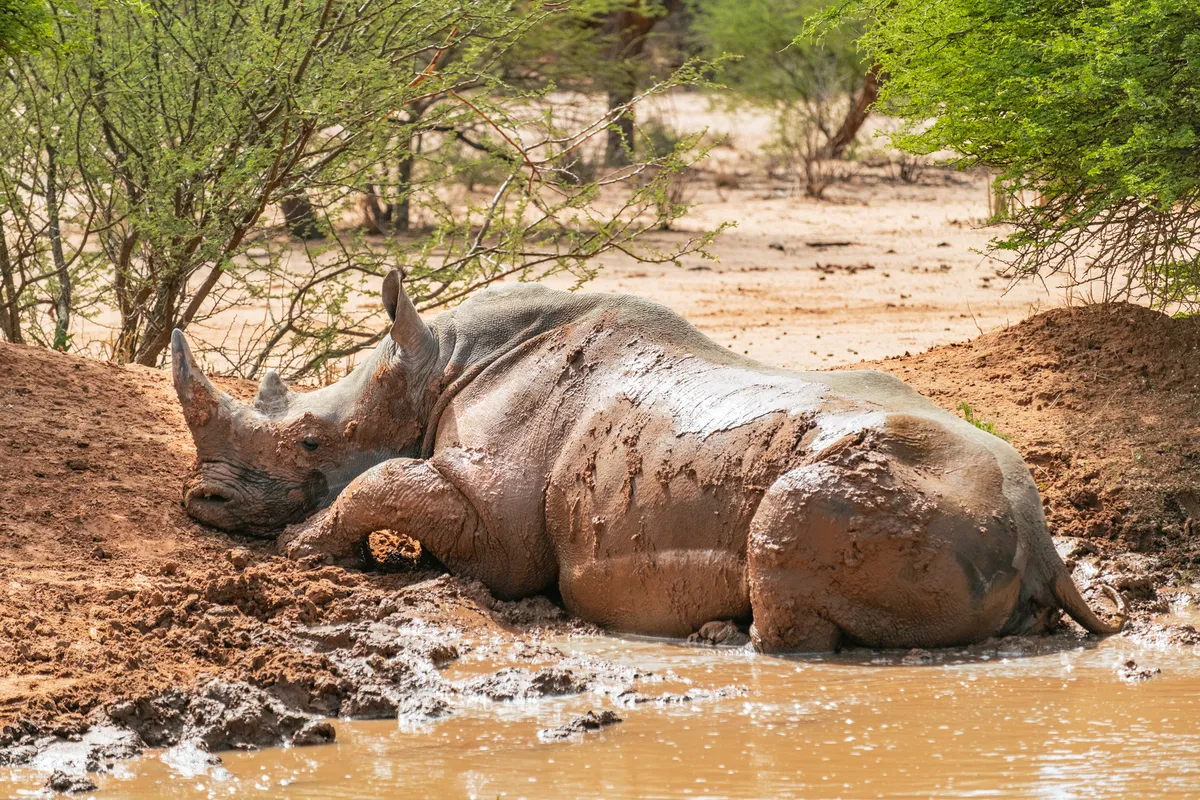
<point x="1104" y="404"/>
<point x="591" y="722"/>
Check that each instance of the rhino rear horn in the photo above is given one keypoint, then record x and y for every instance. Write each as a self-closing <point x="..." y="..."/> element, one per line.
<point x="272" y="397"/>
<point x="409" y="333"/>
<point x="201" y="400"/>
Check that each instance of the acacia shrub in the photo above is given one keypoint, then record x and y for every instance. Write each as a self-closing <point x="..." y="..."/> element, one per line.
<point x="151" y="155"/>
<point x="1088" y="111"/>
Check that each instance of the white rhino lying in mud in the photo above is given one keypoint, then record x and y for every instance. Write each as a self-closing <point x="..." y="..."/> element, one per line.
<point x="532" y="438"/>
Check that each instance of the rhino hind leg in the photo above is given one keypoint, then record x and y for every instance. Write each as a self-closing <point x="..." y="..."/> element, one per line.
<point x="840" y="554"/>
<point x="790" y="598"/>
<point x="794" y="630"/>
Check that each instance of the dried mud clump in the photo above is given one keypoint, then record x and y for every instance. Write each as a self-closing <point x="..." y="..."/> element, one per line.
<point x="389" y="551"/>
<point x="1130" y="672"/>
<point x="65" y="783"/>
<point x="591" y="722"/>
<point x="720" y="633"/>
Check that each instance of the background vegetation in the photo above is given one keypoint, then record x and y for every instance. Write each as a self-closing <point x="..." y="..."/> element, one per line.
<point x="157" y="150"/>
<point x="23" y="24"/>
<point x="817" y="91"/>
<point x="165" y="161"/>
<point x="1087" y="110"/>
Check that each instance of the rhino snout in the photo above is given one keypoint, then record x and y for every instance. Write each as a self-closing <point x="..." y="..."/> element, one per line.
<point x="248" y="501"/>
<point x="207" y="496"/>
<point x="213" y="502"/>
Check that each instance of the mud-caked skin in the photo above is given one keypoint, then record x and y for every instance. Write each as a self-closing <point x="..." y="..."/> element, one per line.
<point x="599" y="443"/>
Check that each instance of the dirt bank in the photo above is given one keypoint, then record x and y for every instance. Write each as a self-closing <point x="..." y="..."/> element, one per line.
<point x="117" y="610"/>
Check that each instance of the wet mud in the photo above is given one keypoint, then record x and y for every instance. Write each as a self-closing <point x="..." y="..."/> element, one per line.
<point x="1051" y="716"/>
<point x="369" y="655"/>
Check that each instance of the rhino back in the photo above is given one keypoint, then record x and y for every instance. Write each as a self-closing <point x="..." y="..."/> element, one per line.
<point x="627" y="453"/>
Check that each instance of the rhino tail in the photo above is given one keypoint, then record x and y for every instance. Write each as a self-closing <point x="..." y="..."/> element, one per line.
<point x="1071" y="601"/>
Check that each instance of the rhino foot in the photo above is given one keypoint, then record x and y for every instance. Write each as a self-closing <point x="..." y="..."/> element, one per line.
<point x="722" y="632"/>
<point x="320" y="535"/>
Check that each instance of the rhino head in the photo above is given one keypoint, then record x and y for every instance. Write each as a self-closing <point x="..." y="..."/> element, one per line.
<point x="264" y="465"/>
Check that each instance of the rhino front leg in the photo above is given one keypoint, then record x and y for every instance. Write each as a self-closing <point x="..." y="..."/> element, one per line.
<point x="405" y="495"/>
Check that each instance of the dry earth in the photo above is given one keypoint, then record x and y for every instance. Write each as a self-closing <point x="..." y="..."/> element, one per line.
<point x="881" y="268"/>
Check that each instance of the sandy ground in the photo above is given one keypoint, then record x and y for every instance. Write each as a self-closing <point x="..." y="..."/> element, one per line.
<point x="879" y="269"/>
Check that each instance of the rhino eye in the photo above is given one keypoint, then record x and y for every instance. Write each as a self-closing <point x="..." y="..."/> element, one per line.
<point x="310" y="444"/>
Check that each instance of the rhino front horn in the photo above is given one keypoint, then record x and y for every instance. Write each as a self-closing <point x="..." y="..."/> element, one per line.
<point x="199" y="398"/>
<point x="410" y="334"/>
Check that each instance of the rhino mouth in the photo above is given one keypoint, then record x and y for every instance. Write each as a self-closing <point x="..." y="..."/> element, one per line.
<point x="206" y="492"/>
<point x="210" y="505"/>
<point x="211" y="497"/>
<point x="220" y="504"/>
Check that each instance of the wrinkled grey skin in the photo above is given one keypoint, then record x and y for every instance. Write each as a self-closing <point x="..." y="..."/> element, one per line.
<point x="533" y="438"/>
<point x="262" y="466"/>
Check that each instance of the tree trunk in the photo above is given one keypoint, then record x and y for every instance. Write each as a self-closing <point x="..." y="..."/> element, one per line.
<point x="398" y="212"/>
<point x="128" y="303"/>
<point x="619" y="145"/>
<point x="856" y="115"/>
<point x="375" y="214"/>
<point x="161" y="318"/>
<point x="62" y="303"/>
<point x="10" y="309"/>
<point x="999" y="200"/>
<point x="631" y="28"/>
<point x="300" y="218"/>
<point x="391" y="217"/>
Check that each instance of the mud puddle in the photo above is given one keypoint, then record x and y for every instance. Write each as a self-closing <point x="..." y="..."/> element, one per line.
<point x="1043" y="718"/>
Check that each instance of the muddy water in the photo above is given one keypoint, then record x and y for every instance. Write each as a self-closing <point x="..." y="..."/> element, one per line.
<point x="1002" y="722"/>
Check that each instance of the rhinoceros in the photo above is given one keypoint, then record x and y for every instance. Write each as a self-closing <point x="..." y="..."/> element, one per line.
<point x="601" y="445"/>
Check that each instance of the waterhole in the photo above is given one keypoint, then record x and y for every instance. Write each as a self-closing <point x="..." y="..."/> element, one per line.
<point x="1047" y="719"/>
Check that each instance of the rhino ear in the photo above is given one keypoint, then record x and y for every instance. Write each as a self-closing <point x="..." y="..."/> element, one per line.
<point x="409" y="333"/>
<point x="272" y="397"/>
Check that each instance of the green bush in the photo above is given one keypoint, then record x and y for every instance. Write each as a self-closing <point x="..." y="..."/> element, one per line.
<point x="1088" y="110"/>
<point x="968" y="414"/>
<point x="23" y="25"/>
<point x="806" y="85"/>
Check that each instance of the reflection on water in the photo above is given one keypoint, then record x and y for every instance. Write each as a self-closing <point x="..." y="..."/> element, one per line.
<point x="1059" y="725"/>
